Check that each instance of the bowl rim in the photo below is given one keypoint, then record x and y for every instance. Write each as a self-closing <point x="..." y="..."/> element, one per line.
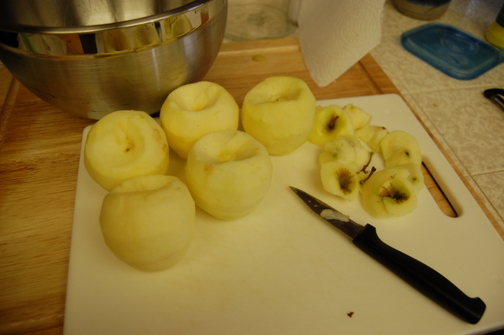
<point x="22" y="28"/>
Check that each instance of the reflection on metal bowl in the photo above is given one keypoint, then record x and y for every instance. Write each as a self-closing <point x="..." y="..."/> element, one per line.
<point x="109" y="55"/>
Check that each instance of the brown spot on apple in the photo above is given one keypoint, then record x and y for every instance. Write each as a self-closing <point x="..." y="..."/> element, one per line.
<point x="156" y="134"/>
<point x="160" y="138"/>
<point x="394" y="193"/>
<point x="332" y="123"/>
<point x="345" y="180"/>
<point x="129" y="146"/>
<point x="208" y="168"/>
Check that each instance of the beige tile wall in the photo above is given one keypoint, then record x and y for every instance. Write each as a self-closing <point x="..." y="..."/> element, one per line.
<point x="468" y="126"/>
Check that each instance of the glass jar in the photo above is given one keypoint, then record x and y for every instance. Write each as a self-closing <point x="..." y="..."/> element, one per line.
<point x="422" y="9"/>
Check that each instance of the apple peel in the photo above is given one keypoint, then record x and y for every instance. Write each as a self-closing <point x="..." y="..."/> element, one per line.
<point x="389" y="193"/>
<point x="330" y="122"/>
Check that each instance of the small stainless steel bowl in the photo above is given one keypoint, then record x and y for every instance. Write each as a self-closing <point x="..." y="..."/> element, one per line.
<point x="93" y="57"/>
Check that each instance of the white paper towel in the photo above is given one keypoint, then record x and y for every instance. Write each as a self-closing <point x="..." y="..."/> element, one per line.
<point x="336" y="34"/>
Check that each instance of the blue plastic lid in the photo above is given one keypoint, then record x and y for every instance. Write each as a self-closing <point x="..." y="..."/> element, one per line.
<point x="452" y="51"/>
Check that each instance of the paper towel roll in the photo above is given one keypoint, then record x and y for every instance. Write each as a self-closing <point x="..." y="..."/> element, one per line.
<point x="336" y="34"/>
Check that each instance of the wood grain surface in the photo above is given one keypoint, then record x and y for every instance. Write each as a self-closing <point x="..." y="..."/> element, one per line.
<point x="39" y="156"/>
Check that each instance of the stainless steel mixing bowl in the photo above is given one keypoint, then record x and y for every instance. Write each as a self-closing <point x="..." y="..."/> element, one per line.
<point x="92" y="57"/>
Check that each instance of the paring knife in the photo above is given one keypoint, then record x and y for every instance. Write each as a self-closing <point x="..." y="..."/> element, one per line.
<point x="422" y="277"/>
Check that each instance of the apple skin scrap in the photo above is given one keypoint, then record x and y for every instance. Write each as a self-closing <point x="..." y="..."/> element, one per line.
<point x="399" y="147"/>
<point x="340" y="179"/>
<point x="330" y="122"/>
<point x="389" y="193"/>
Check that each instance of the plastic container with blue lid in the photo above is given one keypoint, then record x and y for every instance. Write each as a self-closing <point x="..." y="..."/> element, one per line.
<point x="452" y="51"/>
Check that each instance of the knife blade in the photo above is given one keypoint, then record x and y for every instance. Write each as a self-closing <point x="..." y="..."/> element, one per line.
<point x="422" y="277"/>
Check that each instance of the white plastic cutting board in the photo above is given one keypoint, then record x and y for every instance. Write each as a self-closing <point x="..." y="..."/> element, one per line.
<point x="282" y="270"/>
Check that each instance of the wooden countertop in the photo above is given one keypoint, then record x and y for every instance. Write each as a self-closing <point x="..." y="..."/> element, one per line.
<point x="39" y="156"/>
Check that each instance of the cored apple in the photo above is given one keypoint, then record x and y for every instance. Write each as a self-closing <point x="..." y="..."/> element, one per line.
<point x="125" y="144"/>
<point x="148" y="221"/>
<point x="228" y="173"/>
<point x="279" y="112"/>
<point x="194" y="110"/>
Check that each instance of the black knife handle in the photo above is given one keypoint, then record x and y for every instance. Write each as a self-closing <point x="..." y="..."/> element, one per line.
<point x="423" y="278"/>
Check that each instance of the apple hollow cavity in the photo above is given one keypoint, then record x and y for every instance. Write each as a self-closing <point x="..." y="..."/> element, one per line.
<point x="228" y="173"/>
<point x="125" y="144"/>
<point x="148" y="221"/>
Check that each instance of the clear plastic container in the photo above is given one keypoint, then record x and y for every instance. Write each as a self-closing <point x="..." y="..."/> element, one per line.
<point x="452" y="51"/>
